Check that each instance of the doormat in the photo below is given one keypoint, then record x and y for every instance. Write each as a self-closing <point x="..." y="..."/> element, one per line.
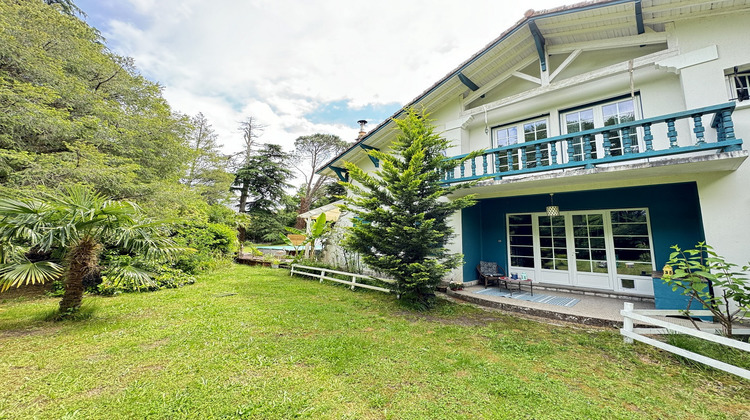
<point x="550" y="300"/>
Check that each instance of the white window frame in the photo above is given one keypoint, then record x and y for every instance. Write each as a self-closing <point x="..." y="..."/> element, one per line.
<point x="738" y="75"/>
<point x="643" y="284"/>
<point x="521" y="138"/>
<point x="597" y="108"/>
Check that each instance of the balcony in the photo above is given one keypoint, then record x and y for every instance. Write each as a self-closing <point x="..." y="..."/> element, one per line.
<point x="610" y="145"/>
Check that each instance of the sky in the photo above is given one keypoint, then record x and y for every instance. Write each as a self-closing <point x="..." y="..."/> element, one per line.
<point x="299" y="67"/>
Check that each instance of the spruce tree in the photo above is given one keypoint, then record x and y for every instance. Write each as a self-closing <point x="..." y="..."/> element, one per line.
<point x="400" y="211"/>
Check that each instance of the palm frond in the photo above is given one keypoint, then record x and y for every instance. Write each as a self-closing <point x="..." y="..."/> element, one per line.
<point x="28" y="273"/>
<point x="130" y="275"/>
<point x="28" y="206"/>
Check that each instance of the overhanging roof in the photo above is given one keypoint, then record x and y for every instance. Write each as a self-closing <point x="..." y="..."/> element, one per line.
<point x="332" y="212"/>
<point x="558" y="31"/>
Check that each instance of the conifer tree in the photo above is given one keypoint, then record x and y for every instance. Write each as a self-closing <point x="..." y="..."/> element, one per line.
<point x="401" y="214"/>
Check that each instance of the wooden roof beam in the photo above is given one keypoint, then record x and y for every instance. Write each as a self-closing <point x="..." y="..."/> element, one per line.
<point x="539" y="42"/>
<point x="648" y="38"/>
<point x="499" y="80"/>
<point x="550" y="24"/>
<point x="639" y="18"/>
<point x="565" y="64"/>
<point x="645" y="61"/>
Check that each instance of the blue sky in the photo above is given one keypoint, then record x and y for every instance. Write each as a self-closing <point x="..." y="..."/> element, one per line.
<point x="298" y="67"/>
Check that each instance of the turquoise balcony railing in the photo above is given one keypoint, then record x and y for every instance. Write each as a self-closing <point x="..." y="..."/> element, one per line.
<point x="614" y="143"/>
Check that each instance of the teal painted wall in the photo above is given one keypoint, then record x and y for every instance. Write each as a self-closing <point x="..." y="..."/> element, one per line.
<point x="471" y="239"/>
<point x="674" y="210"/>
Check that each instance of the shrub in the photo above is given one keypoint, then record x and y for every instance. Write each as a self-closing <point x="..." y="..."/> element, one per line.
<point x="211" y="242"/>
<point x="697" y="270"/>
<point x="162" y="276"/>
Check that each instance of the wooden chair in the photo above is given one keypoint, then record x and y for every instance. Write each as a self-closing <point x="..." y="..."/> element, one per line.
<point x="490" y="272"/>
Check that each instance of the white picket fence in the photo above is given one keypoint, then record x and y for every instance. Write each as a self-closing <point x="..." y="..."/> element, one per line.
<point x="324" y="274"/>
<point x="664" y="327"/>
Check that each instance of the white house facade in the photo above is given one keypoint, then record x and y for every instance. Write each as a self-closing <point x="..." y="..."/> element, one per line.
<point x="626" y="116"/>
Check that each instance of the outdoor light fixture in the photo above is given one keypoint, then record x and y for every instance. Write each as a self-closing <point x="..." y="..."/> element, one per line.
<point x="552" y="209"/>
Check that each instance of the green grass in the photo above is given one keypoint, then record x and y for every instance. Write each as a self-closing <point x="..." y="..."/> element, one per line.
<point x="715" y="351"/>
<point x="247" y="342"/>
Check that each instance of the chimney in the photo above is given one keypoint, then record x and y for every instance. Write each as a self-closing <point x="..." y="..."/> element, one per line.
<point x="362" y="131"/>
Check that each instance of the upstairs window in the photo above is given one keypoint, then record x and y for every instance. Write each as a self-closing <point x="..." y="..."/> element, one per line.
<point x="521" y="132"/>
<point x="601" y="114"/>
<point x="738" y="82"/>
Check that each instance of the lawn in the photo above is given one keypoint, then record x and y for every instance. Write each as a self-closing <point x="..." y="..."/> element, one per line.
<point x="247" y="342"/>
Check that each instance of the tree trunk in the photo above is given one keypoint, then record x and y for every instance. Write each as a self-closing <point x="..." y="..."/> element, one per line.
<point x="82" y="260"/>
<point x="243" y="198"/>
<point x="241" y="237"/>
<point x="304" y="206"/>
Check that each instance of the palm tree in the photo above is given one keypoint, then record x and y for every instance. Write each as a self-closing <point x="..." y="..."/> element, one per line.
<point x="77" y="224"/>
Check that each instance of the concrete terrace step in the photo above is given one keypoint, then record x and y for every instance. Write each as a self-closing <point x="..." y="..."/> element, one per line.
<point x="602" y="311"/>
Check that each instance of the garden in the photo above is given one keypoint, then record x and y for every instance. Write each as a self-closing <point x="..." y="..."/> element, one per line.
<point x="252" y="342"/>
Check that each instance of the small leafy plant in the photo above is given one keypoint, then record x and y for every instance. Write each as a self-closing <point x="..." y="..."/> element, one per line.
<point x="318" y="230"/>
<point x="696" y="270"/>
<point x="455" y="285"/>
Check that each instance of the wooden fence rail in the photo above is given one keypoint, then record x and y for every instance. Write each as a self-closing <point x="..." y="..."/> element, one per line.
<point x="641" y="315"/>
<point x="323" y="274"/>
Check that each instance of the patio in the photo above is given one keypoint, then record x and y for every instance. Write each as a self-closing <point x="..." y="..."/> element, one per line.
<point x="588" y="309"/>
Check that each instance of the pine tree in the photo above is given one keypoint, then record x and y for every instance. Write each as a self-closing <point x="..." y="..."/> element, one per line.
<point x="401" y="216"/>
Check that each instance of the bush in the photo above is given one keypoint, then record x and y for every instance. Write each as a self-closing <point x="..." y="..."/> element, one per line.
<point x="163" y="276"/>
<point x="211" y="242"/>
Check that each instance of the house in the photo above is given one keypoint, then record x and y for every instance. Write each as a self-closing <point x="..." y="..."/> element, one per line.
<point x="611" y="131"/>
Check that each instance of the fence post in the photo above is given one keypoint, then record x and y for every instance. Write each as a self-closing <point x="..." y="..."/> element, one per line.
<point x="627" y="322"/>
<point x="354" y="282"/>
<point x="322" y="274"/>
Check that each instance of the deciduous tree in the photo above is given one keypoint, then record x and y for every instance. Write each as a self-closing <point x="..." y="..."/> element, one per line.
<point x="309" y="153"/>
<point x="207" y="170"/>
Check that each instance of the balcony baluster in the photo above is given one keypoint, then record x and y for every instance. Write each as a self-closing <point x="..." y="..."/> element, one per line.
<point x="648" y="138"/>
<point x="627" y="142"/>
<point x="571" y="150"/>
<point x="699" y="129"/>
<point x="553" y="153"/>
<point x="672" y="134"/>
<point x="576" y="149"/>
<point x="511" y="163"/>
<point x="587" y="151"/>
<point x="538" y="155"/>
<point x="607" y="144"/>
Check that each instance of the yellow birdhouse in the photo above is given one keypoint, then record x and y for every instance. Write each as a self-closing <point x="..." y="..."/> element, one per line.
<point x="668" y="270"/>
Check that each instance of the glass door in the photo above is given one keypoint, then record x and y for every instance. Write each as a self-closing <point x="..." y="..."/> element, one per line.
<point x="620" y="113"/>
<point x="603" y="249"/>
<point x="581" y="120"/>
<point x="601" y="115"/>
<point x="553" y="249"/>
<point x="591" y="256"/>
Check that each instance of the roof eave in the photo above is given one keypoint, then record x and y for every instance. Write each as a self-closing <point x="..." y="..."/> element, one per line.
<point x="578" y="7"/>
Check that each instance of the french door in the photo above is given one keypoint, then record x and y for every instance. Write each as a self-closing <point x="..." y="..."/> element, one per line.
<point x="591" y="253"/>
<point x="602" y="115"/>
<point x="604" y="249"/>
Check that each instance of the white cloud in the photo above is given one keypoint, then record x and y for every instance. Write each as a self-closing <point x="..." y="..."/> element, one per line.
<point x="280" y="59"/>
